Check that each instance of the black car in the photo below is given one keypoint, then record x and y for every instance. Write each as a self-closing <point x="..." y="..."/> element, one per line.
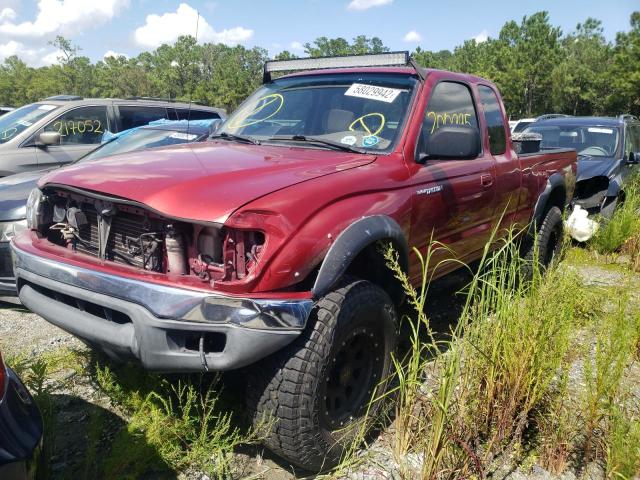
<point x="608" y="152"/>
<point x="15" y="189"/>
<point x="20" y="428"/>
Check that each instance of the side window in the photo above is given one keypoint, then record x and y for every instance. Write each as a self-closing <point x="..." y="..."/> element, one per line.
<point x="136" y="116"/>
<point x="495" y="121"/>
<point x="635" y="130"/>
<point x="184" y="114"/>
<point x="80" y="126"/>
<point x="450" y="104"/>
<point x="632" y="140"/>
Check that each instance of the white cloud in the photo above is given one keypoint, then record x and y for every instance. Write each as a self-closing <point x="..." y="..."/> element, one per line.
<point x="412" y="37"/>
<point x="297" y="46"/>
<point x="166" y="28"/>
<point x="33" y="56"/>
<point x="481" y="37"/>
<point x="10" y="48"/>
<point x="52" y="58"/>
<point x="111" y="53"/>
<point x="61" y="17"/>
<point x="7" y="14"/>
<point x="367" y="4"/>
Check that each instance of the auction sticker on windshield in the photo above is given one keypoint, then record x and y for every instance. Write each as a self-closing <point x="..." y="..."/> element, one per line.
<point x="599" y="130"/>
<point x="373" y="92"/>
<point x="183" y="136"/>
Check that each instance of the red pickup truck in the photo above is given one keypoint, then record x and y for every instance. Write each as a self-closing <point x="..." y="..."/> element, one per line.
<point x="259" y="248"/>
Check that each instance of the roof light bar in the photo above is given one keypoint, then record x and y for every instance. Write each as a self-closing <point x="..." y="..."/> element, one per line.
<point x="317" y="63"/>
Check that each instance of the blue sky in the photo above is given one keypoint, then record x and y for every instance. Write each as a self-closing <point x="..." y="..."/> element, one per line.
<point x="130" y="26"/>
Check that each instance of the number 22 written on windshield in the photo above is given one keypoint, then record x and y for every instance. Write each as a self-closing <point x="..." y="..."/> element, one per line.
<point x="79" y="126"/>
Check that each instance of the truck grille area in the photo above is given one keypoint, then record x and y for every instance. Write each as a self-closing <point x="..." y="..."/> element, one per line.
<point x="129" y="236"/>
<point x="118" y="233"/>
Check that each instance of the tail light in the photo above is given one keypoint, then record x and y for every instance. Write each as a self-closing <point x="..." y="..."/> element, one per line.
<point x="3" y="377"/>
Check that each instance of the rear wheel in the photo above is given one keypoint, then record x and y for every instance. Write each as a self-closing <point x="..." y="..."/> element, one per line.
<point x="547" y="244"/>
<point x="318" y="389"/>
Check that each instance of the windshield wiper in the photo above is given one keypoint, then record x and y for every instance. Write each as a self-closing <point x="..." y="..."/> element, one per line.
<point x="321" y="141"/>
<point x="239" y="138"/>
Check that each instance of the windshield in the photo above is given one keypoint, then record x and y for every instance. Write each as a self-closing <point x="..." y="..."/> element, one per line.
<point x="12" y="123"/>
<point x="355" y="110"/>
<point x="139" y="139"/>
<point x="593" y="141"/>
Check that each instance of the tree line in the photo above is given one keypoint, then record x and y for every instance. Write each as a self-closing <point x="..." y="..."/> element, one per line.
<point x="537" y="68"/>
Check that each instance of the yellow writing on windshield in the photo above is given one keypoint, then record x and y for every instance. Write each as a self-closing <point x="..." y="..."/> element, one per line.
<point x="8" y="133"/>
<point x="273" y="100"/>
<point x="74" y="127"/>
<point x="367" y="128"/>
<point x="441" y="119"/>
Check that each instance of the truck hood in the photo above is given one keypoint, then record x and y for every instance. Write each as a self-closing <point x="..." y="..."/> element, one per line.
<point x="207" y="181"/>
<point x="14" y="192"/>
<point x="589" y="167"/>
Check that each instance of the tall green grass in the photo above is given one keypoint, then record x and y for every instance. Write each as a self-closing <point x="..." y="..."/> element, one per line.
<point x="498" y="385"/>
<point x="624" y="225"/>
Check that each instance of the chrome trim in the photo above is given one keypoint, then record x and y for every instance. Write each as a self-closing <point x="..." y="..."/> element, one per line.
<point x="170" y="302"/>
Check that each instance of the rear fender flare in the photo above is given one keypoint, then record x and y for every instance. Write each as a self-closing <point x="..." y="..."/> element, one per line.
<point x="353" y="240"/>
<point x="554" y="182"/>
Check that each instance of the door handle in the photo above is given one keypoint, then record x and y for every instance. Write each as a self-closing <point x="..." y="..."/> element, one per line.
<point x="486" y="180"/>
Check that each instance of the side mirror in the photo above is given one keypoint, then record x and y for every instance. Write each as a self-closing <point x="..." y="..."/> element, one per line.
<point x="633" y="158"/>
<point x="47" y="139"/>
<point x="452" y="141"/>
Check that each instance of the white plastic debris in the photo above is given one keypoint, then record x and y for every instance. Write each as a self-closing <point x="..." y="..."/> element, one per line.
<point x="579" y="226"/>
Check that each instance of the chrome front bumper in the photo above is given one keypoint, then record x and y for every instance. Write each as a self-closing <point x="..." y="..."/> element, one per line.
<point x="166" y="328"/>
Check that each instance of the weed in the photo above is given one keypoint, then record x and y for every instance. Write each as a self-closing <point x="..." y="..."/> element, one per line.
<point x="623" y="447"/>
<point x="624" y="226"/>
<point x="616" y="339"/>
<point x="182" y="420"/>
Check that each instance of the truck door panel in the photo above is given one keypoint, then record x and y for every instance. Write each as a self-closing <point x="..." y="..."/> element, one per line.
<point x="510" y="192"/>
<point x="453" y="199"/>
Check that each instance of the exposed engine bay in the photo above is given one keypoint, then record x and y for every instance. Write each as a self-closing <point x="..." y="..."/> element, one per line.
<point x="124" y="233"/>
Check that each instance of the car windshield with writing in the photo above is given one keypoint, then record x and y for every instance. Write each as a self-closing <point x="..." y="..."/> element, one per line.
<point x="363" y="112"/>
<point x="591" y="141"/>
<point x="22" y="118"/>
<point x="141" y="138"/>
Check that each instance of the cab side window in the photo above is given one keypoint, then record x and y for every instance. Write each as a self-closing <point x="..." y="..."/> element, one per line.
<point x="494" y="119"/>
<point x="632" y="140"/>
<point x="136" y="116"/>
<point x="451" y="104"/>
<point x="80" y="126"/>
<point x="185" y="114"/>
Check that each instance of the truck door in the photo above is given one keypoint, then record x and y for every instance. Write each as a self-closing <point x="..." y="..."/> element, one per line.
<point x="81" y="131"/>
<point x="453" y="200"/>
<point x="509" y="190"/>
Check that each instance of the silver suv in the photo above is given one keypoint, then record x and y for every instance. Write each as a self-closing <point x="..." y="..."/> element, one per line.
<point x="61" y="129"/>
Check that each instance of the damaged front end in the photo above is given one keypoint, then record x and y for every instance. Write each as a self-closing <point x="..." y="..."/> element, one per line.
<point x="591" y="194"/>
<point x="126" y="233"/>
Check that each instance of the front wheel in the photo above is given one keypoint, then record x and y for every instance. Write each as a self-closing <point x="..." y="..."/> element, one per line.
<point x="318" y="389"/>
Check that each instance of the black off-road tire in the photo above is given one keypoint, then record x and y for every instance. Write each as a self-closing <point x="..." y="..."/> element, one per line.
<point x="547" y="245"/>
<point x="299" y="388"/>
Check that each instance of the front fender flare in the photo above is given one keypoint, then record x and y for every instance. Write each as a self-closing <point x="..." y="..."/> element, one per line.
<point x="353" y="240"/>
